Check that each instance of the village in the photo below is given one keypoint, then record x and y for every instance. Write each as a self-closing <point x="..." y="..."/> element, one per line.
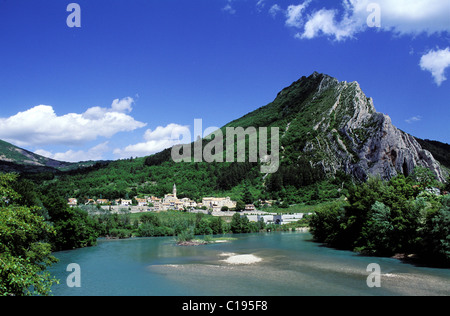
<point x="216" y="206"/>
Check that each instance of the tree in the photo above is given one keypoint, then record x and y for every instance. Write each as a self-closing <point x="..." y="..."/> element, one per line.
<point x="424" y="177"/>
<point x="247" y="196"/>
<point x="376" y="233"/>
<point x="24" y="254"/>
<point x="240" y="205"/>
<point x="216" y="225"/>
<point x="275" y="182"/>
<point x="361" y="198"/>
<point x="7" y="193"/>
<point x="327" y="225"/>
<point x="27" y="191"/>
<point x="150" y="218"/>
<point x="202" y="228"/>
<point x="399" y="197"/>
<point x="74" y="228"/>
<point x="239" y="224"/>
<point x="437" y="233"/>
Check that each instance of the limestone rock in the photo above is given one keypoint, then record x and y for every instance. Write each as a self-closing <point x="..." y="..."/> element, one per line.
<point x="351" y="135"/>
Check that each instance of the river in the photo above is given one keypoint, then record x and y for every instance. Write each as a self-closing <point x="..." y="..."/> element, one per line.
<point x="288" y="264"/>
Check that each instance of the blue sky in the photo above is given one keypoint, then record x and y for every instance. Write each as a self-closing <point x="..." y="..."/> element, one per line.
<point x="138" y="70"/>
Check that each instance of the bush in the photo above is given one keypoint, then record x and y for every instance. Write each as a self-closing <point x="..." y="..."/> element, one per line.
<point x="202" y="228"/>
<point x="239" y="224"/>
<point x="120" y="233"/>
<point x="150" y="230"/>
<point x="150" y="218"/>
<point x="216" y="225"/>
<point x="325" y="224"/>
<point x="387" y="217"/>
<point x="437" y="233"/>
<point x="186" y="235"/>
<point x="377" y="234"/>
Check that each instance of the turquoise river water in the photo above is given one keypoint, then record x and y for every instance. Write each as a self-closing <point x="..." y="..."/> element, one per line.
<point x="290" y="264"/>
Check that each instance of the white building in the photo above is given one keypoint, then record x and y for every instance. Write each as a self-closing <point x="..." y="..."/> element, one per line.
<point x="126" y="202"/>
<point x="72" y="202"/>
<point x="217" y="203"/>
<point x="276" y="219"/>
<point x="141" y="202"/>
<point x="171" y="202"/>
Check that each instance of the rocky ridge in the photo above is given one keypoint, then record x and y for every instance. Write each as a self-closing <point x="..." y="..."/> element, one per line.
<point x="354" y="137"/>
<point x="335" y="126"/>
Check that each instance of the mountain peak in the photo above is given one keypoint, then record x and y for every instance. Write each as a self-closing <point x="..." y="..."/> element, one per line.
<point x="335" y="126"/>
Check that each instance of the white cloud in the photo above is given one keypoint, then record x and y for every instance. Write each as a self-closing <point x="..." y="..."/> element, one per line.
<point x="294" y="14"/>
<point x="413" y="119"/>
<point x="411" y="17"/>
<point x="402" y="17"/>
<point x="260" y="4"/>
<point x="156" y="141"/>
<point x="273" y="11"/>
<point x="44" y="153"/>
<point x="324" y="22"/>
<point x="95" y="153"/>
<point x="123" y="105"/>
<point x="228" y="8"/>
<point x="436" y="61"/>
<point x="40" y="125"/>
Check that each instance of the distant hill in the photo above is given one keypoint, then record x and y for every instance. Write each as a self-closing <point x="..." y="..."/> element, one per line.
<point x="330" y="133"/>
<point x="16" y="159"/>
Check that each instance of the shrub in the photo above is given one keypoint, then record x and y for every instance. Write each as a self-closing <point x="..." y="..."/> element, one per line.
<point x="186" y="235"/>
<point x="150" y="230"/>
<point x="120" y="233"/>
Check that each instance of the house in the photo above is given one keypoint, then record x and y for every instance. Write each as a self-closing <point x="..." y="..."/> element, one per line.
<point x="279" y="219"/>
<point x="126" y="202"/>
<point x="157" y="206"/>
<point x="266" y="202"/>
<point x="153" y="200"/>
<point x="102" y="201"/>
<point x="250" y="207"/>
<point x="188" y="203"/>
<point x="165" y="206"/>
<point x="141" y="202"/>
<point x="179" y="205"/>
<point x="217" y="203"/>
<point x="72" y="202"/>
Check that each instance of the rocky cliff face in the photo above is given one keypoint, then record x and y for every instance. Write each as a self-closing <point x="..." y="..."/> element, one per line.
<point x="335" y="126"/>
<point x="354" y="137"/>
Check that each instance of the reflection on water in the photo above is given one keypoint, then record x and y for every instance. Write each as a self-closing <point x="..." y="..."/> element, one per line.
<point x="288" y="264"/>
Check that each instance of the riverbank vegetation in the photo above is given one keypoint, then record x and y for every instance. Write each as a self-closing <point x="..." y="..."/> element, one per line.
<point x="380" y="218"/>
<point x="24" y="251"/>
<point x="185" y="224"/>
<point x="401" y="217"/>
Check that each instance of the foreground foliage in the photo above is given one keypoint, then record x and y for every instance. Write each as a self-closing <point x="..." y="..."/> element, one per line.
<point x="24" y="254"/>
<point x="383" y="218"/>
